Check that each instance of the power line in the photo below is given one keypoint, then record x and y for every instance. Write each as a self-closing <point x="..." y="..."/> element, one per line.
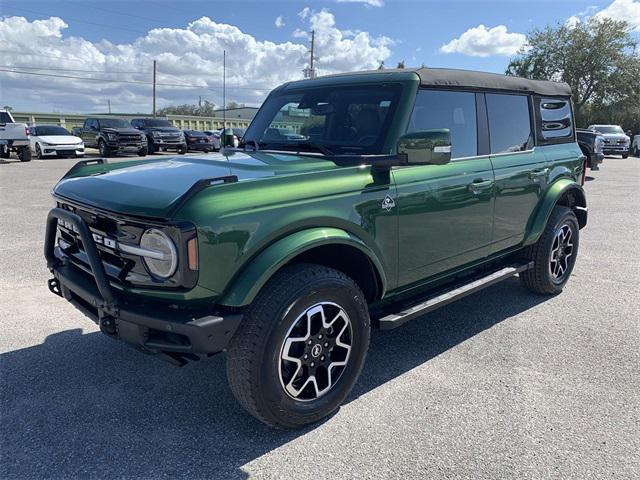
<point x="82" y="21"/>
<point x="138" y="72"/>
<point x="134" y="82"/>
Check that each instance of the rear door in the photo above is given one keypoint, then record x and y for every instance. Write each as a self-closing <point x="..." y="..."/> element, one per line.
<point x="521" y="171"/>
<point x="445" y="212"/>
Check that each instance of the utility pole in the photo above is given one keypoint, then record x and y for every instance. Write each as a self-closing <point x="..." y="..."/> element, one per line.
<point x="154" y="88"/>
<point x="224" y="89"/>
<point x="109" y="103"/>
<point x="311" y="72"/>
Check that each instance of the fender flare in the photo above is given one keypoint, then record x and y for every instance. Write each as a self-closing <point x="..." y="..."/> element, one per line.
<point x="554" y="193"/>
<point x="254" y="275"/>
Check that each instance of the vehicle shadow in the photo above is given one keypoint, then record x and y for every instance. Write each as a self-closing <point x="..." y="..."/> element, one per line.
<point x="82" y="405"/>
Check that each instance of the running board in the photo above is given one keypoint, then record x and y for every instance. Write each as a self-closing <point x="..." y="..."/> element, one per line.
<point x="394" y="320"/>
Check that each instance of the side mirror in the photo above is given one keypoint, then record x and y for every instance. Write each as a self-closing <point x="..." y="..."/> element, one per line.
<point x="426" y="147"/>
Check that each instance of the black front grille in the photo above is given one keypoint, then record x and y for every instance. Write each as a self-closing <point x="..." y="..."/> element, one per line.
<point x="129" y="139"/>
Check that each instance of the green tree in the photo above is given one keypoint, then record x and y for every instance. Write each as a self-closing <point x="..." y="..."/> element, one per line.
<point x="598" y="58"/>
<point x="204" y="109"/>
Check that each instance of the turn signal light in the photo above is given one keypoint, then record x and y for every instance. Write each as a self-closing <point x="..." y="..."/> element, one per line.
<point x="192" y="253"/>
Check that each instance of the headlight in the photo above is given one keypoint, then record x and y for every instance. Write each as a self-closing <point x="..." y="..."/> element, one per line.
<point x="161" y="258"/>
<point x="112" y="136"/>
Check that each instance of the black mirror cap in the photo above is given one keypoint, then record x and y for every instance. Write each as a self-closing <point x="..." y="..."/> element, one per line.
<point x="426" y="147"/>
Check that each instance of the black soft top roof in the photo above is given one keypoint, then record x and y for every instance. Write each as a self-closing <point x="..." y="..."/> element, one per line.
<point x="454" y="78"/>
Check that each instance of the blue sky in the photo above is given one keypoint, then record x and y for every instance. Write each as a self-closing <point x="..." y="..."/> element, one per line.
<point x="414" y="31"/>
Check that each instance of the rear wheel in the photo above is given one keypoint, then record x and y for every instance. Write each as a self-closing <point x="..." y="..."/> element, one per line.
<point x="24" y="154"/>
<point x="300" y="347"/>
<point x="554" y="254"/>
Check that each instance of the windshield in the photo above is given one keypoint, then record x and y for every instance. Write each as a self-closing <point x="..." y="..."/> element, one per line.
<point x="156" y="122"/>
<point x="608" y="129"/>
<point x="114" y="123"/>
<point x="51" y="130"/>
<point x="338" y="119"/>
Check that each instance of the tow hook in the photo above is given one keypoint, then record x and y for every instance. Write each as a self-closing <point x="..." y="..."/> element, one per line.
<point x="54" y="286"/>
<point x="108" y="325"/>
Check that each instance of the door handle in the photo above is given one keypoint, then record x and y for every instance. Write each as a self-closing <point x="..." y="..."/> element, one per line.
<point x="538" y="173"/>
<point x="480" y="185"/>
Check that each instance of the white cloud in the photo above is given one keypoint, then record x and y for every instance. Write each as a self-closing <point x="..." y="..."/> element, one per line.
<point x="481" y="41"/>
<point x="191" y="55"/>
<point x="297" y="33"/>
<point x="279" y="21"/>
<point x="572" y="21"/>
<point x="368" y="3"/>
<point x="628" y="10"/>
<point x="304" y="13"/>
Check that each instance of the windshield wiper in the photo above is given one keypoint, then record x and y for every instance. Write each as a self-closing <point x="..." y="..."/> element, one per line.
<point x="298" y="145"/>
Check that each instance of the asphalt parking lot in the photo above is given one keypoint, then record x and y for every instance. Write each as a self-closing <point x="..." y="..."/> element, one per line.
<point x="503" y="384"/>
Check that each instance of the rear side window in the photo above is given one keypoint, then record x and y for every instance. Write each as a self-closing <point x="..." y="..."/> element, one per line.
<point x="436" y="109"/>
<point x="4" y="117"/>
<point x="555" y="116"/>
<point x="509" y="123"/>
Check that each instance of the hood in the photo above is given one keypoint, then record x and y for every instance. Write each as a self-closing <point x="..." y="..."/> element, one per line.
<point x="131" y="131"/>
<point x="150" y="188"/>
<point x="60" y="139"/>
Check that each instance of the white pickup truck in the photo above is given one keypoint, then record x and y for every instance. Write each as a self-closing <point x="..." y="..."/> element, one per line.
<point x="13" y="137"/>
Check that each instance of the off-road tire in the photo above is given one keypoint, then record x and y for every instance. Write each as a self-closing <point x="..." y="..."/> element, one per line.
<point x="254" y="353"/>
<point x="625" y="155"/>
<point x="24" y="154"/>
<point x="5" y="153"/>
<point x="143" y="152"/>
<point x="103" y="148"/>
<point x="539" y="278"/>
<point x="182" y="150"/>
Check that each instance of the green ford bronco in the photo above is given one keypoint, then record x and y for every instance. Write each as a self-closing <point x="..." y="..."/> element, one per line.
<point x="353" y="201"/>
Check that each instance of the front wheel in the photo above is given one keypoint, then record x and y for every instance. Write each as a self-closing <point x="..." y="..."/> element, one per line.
<point x="104" y="149"/>
<point x="625" y="155"/>
<point x="554" y="254"/>
<point x="300" y="347"/>
<point x="143" y="152"/>
<point x="39" y="155"/>
<point x="183" y="149"/>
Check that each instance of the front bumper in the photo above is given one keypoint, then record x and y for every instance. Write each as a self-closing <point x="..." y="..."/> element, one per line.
<point x="61" y="150"/>
<point x="615" y="149"/>
<point x="126" y="147"/>
<point x="176" y="334"/>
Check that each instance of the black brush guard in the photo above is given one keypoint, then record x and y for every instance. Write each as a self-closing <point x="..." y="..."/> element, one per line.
<point x="176" y="335"/>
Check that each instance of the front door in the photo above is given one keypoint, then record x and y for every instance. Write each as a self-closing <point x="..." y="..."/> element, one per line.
<point x="445" y="211"/>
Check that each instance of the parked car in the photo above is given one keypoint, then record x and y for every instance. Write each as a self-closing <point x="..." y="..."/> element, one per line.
<point x="214" y="135"/>
<point x="13" y="137"/>
<point x="54" y="140"/>
<point x="615" y="140"/>
<point x="112" y="135"/>
<point x="635" y="147"/>
<point x="199" y="141"/>
<point x="425" y="185"/>
<point x="161" y="134"/>
<point x="238" y="133"/>
<point x="591" y="144"/>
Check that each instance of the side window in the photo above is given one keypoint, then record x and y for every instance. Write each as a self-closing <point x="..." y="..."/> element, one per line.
<point x="435" y="109"/>
<point x="556" y="119"/>
<point x="509" y="123"/>
<point x="92" y="123"/>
